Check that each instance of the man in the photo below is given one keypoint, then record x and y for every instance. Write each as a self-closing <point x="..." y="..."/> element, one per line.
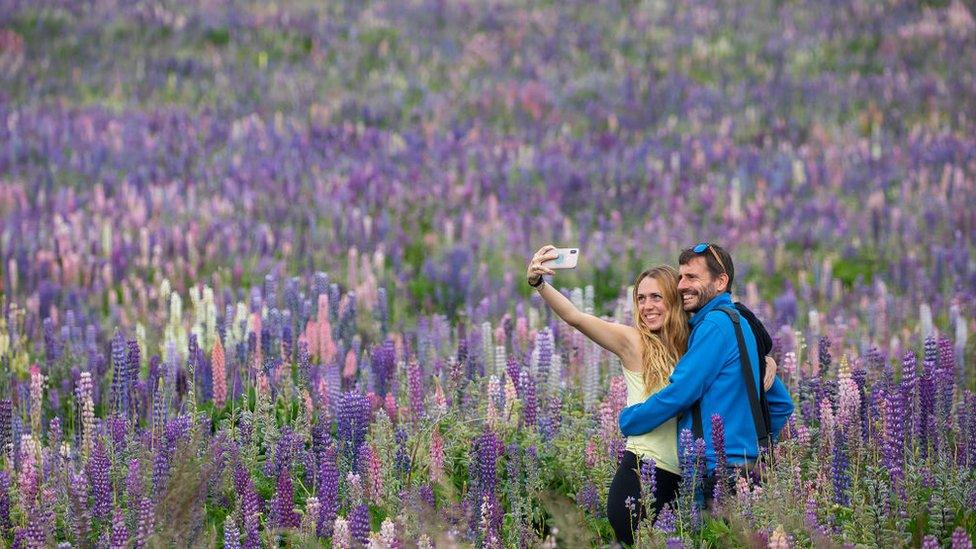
<point x="711" y="370"/>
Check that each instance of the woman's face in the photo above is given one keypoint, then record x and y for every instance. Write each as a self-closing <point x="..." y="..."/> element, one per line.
<point x="650" y="303"/>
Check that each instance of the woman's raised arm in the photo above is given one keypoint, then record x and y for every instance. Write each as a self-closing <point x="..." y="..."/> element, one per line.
<point x="619" y="339"/>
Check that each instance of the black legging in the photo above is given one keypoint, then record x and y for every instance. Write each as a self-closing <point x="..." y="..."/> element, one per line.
<point x="626" y="483"/>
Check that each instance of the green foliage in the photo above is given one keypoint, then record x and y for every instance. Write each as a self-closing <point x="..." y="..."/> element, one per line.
<point x="218" y="36"/>
<point x="849" y="270"/>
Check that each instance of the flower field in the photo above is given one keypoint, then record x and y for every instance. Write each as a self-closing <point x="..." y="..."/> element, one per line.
<point x="262" y="265"/>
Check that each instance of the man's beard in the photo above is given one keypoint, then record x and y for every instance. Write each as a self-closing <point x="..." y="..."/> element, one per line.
<point x="703" y="297"/>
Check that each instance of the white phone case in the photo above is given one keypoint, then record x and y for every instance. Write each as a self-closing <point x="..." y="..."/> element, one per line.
<point x="568" y="258"/>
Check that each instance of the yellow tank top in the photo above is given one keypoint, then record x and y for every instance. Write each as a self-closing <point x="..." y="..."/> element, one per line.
<point x="661" y="444"/>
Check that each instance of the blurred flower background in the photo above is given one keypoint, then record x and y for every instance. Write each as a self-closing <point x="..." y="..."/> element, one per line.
<point x="261" y="263"/>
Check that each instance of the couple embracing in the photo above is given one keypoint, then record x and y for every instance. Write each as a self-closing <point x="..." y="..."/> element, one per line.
<point x="681" y="361"/>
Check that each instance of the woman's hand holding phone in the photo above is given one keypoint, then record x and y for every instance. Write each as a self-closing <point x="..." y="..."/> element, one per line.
<point x="536" y="269"/>
<point x="548" y="259"/>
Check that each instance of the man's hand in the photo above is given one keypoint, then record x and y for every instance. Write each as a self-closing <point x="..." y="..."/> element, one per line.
<point x="770" y="373"/>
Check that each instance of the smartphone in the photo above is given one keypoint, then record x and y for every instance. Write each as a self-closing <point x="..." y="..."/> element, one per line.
<point x="568" y="257"/>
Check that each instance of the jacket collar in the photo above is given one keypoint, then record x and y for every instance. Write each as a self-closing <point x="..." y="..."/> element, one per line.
<point x="722" y="299"/>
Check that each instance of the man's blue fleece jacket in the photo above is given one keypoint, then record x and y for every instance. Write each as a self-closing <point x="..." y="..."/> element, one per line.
<point x="710" y="371"/>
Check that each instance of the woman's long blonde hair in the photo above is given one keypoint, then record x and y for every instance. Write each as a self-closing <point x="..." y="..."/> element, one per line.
<point x="661" y="351"/>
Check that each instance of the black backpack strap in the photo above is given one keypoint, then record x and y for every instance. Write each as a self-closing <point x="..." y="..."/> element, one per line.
<point x="696" y="420"/>
<point x="764" y="345"/>
<point x="762" y="432"/>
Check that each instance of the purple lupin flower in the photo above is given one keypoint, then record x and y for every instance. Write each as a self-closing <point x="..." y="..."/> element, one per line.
<point x="133" y="363"/>
<point x="514" y="373"/>
<point x="543" y="349"/>
<point x="232" y="536"/>
<point x="383" y="365"/>
<point x="554" y="415"/>
<point x="945" y="379"/>
<point x="588" y="498"/>
<point x="98" y="468"/>
<point x="120" y="534"/>
<point x="4" y="501"/>
<point x="839" y="473"/>
<point x="147" y="522"/>
<point x="859" y="374"/>
<point x="78" y="504"/>
<point x="666" y="520"/>
<point x="359" y="523"/>
<point x="426" y="494"/>
<point x="402" y="458"/>
<point x="961" y="539"/>
<point x="52" y="349"/>
<point x="328" y="492"/>
<point x="893" y="446"/>
<point x="415" y="389"/>
<point x="930" y="542"/>
<point x="969" y="402"/>
<point x="530" y="410"/>
<point x="823" y="354"/>
<point x="40" y="518"/>
<point x="721" y="462"/>
<point x="648" y="479"/>
<point x="284" y="452"/>
<point x="283" y="513"/>
<point x="120" y="374"/>
<point x="133" y="484"/>
<point x="691" y="461"/>
<point x="320" y="439"/>
<point x="353" y="421"/>
<point x="21" y="540"/>
<point x="810" y="518"/>
<point x="926" y="402"/>
<point x="6" y="408"/>
<point x="250" y="506"/>
<point x="488" y="447"/>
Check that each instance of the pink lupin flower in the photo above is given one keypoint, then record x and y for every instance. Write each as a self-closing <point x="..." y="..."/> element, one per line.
<point x="219" y="374"/>
<point x="611" y="406"/>
<point x="306" y="398"/>
<point x="29" y="479"/>
<point x="500" y="332"/>
<point x="390" y="405"/>
<point x="350" y="367"/>
<point x="849" y="401"/>
<point x="326" y="347"/>
<point x="789" y="364"/>
<point x="494" y="391"/>
<point x="591" y="453"/>
<point x="440" y="401"/>
<point x="522" y="332"/>
<point x="37" y="397"/>
<point x="387" y="538"/>
<point x="341" y="534"/>
<point x="375" y="401"/>
<point x="803" y="435"/>
<point x="311" y="337"/>
<point x="826" y="425"/>
<point x="374" y="475"/>
<point x="436" y="456"/>
<point x="256" y="328"/>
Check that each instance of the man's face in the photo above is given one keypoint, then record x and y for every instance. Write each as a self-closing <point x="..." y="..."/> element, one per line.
<point x="697" y="285"/>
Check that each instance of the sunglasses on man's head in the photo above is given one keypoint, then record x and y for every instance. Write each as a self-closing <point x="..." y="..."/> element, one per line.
<point x="700" y="249"/>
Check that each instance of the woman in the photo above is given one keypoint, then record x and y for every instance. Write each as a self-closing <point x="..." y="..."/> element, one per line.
<point x="648" y="352"/>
